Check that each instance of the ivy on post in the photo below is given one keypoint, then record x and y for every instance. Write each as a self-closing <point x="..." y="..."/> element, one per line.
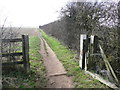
<point x="25" y="44"/>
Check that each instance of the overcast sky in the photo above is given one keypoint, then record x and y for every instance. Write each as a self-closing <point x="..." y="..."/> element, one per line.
<point x="30" y="12"/>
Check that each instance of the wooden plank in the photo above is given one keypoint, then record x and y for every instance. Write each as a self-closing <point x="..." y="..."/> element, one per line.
<point x="57" y="74"/>
<point x="12" y="54"/>
<point x="12" y="40"/>
<point x="109" y="68"/>
<point x="25" y="47"/>
<point x="12" y="63"/>
<point x="96" y="76"/>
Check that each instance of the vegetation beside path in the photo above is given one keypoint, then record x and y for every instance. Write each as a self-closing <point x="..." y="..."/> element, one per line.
<point x="35" y="78"/>
<point x="66" y="56"/>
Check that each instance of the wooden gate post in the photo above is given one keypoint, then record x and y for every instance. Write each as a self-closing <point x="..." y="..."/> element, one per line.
<point x="82" y="56"/>
<point x="96" y="47"/>
<point x="86" y="52"/>
<point x="0" y="65"/>
<point x="25" y="48"/>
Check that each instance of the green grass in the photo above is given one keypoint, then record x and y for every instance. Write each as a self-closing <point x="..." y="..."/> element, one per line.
<point x="66" y="56"/>
<point x="35" y="78"/>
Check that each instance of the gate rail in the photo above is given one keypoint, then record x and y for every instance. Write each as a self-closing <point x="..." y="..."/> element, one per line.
<point x="89" y="46"/>
<point x="24" y="53"/>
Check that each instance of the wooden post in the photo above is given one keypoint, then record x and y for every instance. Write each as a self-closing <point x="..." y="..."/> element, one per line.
<point x="95" y="45"/>
<point x="25" y="47"/>
<point x="86" y="52"/>
<point x="90" y="58"/>
<point x="0" y="64"/>
<point x="82" y="38"/>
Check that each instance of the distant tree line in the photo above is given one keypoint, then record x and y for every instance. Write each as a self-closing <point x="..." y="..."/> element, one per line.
<point x="97" y="18"/>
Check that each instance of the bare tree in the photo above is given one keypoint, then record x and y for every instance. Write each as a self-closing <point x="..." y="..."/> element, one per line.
<point x="8" y="33"/>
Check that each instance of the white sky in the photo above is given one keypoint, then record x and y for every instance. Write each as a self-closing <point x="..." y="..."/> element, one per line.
<point x="30" y="12"/>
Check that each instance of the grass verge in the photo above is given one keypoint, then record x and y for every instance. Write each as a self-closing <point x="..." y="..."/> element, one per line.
<point x="80" y="79"/>
<point x="35" y="78"/>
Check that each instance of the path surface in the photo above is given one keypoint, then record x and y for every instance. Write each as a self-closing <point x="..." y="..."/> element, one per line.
<point x="56" y="73"/>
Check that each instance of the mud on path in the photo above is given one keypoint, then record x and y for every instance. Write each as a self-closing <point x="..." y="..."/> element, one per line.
<point x="56" y="73"/>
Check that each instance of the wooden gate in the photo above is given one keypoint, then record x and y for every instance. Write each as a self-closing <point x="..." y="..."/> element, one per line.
<point x="24" y="53"/>
<point x="89" y="48"/>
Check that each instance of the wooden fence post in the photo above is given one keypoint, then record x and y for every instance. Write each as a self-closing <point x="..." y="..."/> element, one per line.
<point x="86" y="52"/>
<point x="0" y="64"/>
<point x="25" y="48"/>
<point x="82" y="56"/>
<point x="96" y="47"/>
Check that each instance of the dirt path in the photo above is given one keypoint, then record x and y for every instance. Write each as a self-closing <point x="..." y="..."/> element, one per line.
<point x="56" y="73"/>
